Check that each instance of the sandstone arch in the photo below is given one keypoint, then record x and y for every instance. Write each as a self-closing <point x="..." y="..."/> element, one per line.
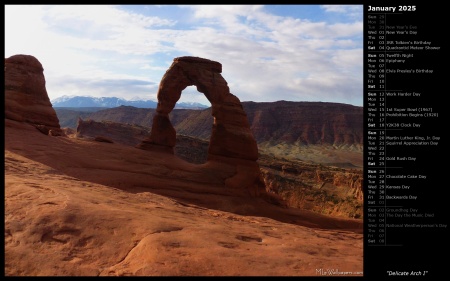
<point x="231" y="142"/>
<point x="231" y="135"/>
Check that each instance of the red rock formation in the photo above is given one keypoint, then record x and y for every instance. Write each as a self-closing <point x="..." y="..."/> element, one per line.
<point x="117" y="132"/>
<point x="231" y="142"/>
<point x="231" y="135"/>
<point x="297" y="123"/>
<point x="314" y="187"/>
<point x="188" y="148"/>
<point x="26" y="98"/>
<point x="306" y="122"/>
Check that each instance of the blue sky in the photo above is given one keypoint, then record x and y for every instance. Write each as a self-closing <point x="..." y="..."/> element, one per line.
<point x="267" y="52"/>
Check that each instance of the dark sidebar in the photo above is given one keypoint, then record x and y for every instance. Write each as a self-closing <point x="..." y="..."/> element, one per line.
<point x="405" y="150"/>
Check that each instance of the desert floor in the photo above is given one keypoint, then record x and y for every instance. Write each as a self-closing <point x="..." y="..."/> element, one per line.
<point x="76" y="207"/>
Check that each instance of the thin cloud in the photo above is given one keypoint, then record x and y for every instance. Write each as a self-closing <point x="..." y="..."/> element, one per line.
<point x="265" y="57"/>
<point x="352" y="11"/>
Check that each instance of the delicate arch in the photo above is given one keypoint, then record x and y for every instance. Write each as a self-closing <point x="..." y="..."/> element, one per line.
<point x="231" y="135"/>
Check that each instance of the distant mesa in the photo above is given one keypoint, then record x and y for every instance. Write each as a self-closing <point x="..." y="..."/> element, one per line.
<point x="231" y="142"/>
<point x="26" y="98"/>
<point x="296" y="124"/>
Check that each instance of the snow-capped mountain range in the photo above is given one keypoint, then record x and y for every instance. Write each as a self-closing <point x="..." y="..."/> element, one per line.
<point x="110" y="102"/>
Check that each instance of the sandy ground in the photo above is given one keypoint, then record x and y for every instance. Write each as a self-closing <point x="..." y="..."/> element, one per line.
<point x="83" y="208"/>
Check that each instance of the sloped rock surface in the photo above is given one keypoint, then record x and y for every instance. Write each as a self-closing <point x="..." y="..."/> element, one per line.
<point x="76" y="207"/>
